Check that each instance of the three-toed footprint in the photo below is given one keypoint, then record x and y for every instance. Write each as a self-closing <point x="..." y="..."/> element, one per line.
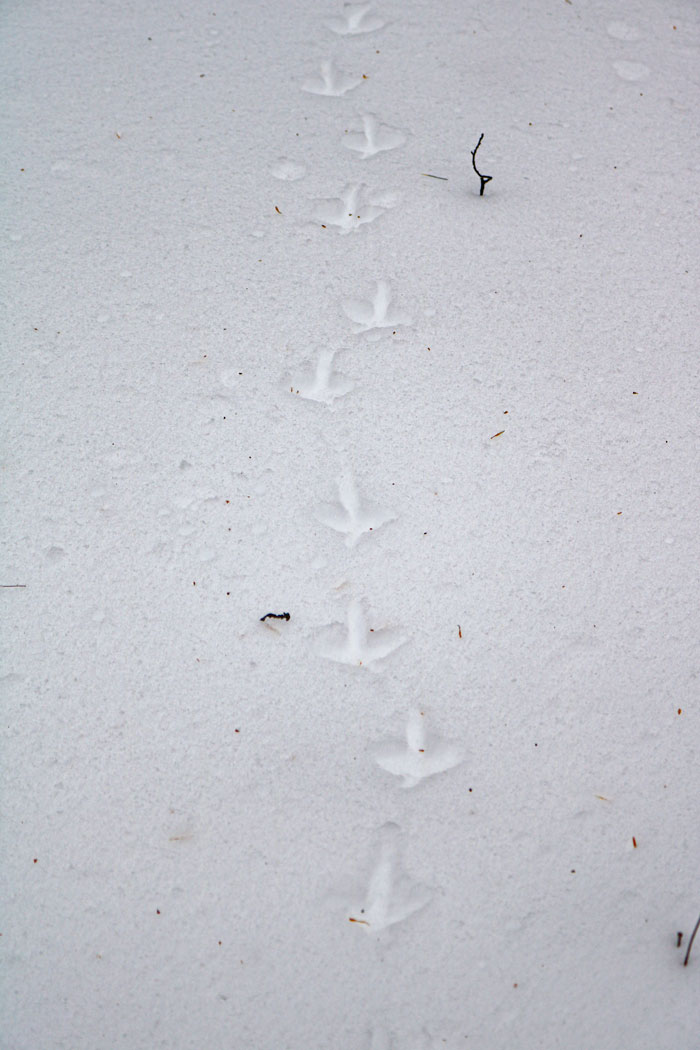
<point x="373" y="315"/>
<point x="374" y="138"/>
<point x="423" y="755"/>
<point x="351" y="515"/>
<point x="353" y="208"/>
<point x="321" y="383"/>
<point x="391" y="896"/>
<point x="358" y="645"/>
<point x="355" y="19"/>
<point x="332" y="82"/>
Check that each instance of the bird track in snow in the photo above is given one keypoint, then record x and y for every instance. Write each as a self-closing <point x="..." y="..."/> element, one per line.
<point x="351" y="515"/>
<point x="356" y="19"/>
<point x="623" y="31"/>
<point x="423" y="755"/>
<point x="358" y="645"/>
<point x="321" y="383"/>
<point x="391" y="896"/>
<point x="374" y="138"/>
<point x="372" y="315"/>
<point x="631" y="70"/>
<point x="626" y="69"/>
<point x="332" y="82"/>
<point x="287" y="170"/>
<point x="353" y="208"/>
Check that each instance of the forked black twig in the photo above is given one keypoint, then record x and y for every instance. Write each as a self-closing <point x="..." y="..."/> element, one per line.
<point x="484" y="178"/>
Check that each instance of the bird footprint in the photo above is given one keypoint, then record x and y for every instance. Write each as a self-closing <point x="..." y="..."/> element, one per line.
<point x="352" y="209"/>
<point x="331" y="82"/>
<point x="351" y="515"/>
<point x="355" y="19"/>
<point x="375" y="138"/>
<point x="322" y="383"/>
<point x="359" y="646"/>
<point x="420" y="757"/>
<point x="372" y="315"/>
<point x="391" y="895"/>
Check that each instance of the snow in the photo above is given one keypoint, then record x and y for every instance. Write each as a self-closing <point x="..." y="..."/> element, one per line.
<point x="257" y="362"/>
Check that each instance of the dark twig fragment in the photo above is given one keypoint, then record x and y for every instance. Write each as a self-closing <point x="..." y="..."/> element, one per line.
<point x="426" y="175"/>
<point x="274" y="616"/>
<point x="690" y="942"/>
<point x="484" y="178"/>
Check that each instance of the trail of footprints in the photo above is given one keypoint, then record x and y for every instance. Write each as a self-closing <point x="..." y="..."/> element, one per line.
<point x="389" y="896"/>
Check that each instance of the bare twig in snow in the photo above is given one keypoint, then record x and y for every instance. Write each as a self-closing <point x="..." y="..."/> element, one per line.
<point x="484" y="178"/>
<point x="690" y="942"/>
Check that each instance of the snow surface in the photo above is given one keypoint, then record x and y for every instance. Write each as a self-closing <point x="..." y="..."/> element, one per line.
<point x="250" y="370"/>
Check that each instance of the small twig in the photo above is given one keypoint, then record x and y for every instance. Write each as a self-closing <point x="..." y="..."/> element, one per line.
<point x="690" y="942"/>
<point x="7" y="586"/>
<point x="427" y="176"/>
<point x="679" y="938"/>
<point x="274" y="616"/>
<point x="484" y="178"/>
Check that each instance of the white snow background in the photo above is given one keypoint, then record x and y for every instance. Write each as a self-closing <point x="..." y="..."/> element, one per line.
<point x="255" y="361"/>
